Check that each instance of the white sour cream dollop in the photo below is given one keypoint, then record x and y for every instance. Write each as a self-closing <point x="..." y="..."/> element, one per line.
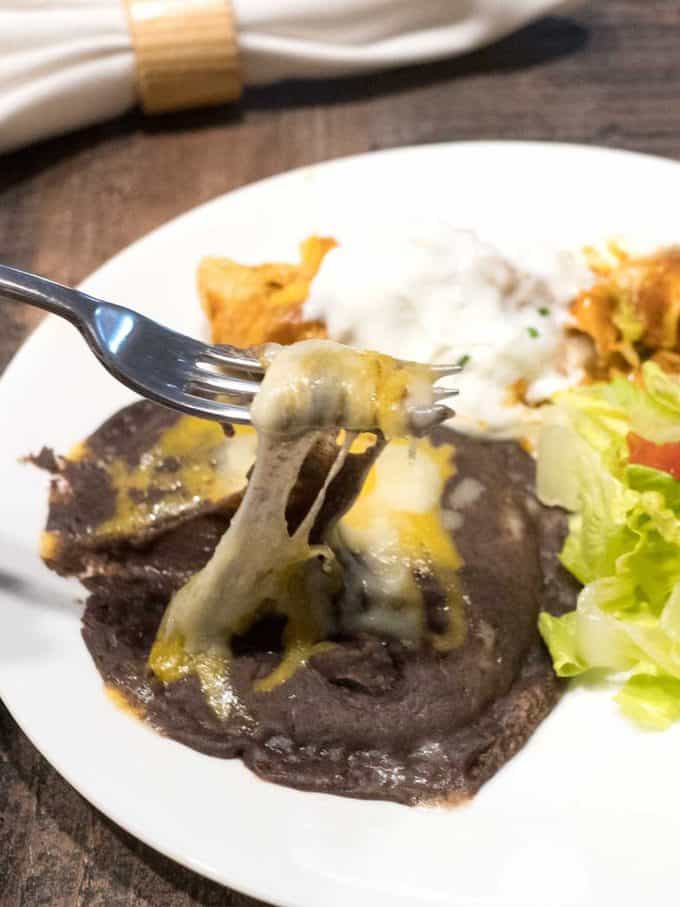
<point x="439" y="294"/>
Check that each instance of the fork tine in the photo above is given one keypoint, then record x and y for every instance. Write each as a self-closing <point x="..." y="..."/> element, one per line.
<point x="423" y="420"/>
<point x="229" y="355"/>
<point x="441" y="412"/>
<point x="206" y="408"/>
<point x="441" y="393"/>
<point x="211" y="382"/>
<point x="443" y="371"/>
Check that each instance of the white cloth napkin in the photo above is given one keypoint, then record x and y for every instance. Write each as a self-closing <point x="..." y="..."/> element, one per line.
<point x="68" y="63"/>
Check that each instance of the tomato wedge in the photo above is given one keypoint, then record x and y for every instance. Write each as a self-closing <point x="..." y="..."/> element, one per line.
<point x="665" y="457"/>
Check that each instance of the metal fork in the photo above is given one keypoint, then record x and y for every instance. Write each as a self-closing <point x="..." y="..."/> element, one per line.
<point x="169" y="368"/>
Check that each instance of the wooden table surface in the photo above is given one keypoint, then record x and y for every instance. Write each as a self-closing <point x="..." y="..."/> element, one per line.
<point x="608" y="75"/>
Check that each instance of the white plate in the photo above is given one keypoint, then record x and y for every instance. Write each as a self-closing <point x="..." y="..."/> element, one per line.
<point x="586" y="815"/>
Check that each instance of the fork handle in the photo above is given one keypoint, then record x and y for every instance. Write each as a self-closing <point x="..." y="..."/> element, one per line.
<point x="22" y="286"/>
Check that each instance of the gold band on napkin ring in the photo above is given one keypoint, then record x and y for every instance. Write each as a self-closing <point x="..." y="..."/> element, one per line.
<point x="186" y="53"/>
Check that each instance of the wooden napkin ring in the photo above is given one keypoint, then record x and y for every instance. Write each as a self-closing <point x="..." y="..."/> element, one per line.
<point x="186" y="53"/>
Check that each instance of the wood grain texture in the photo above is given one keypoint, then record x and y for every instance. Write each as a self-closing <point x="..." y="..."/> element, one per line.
<point x="610" y="75"/>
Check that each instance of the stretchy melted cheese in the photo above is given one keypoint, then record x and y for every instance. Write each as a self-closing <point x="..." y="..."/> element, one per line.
<point x="319" y="384"/>
<point x="310" y="390"/>
<point x="393" y="541"/>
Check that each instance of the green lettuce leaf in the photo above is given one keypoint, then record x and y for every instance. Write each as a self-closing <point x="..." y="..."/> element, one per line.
<point x="559" y="634"/>
<point x="655" y="409"/>
<point x="623" y="542"/>
<point x="643" y="479"/>
<point x="599" y="531"/>
<point x="651" y="701"/>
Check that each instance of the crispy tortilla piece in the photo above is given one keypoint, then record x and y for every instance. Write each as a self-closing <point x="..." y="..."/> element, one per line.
<point x="632" y="311"/>
<point x="252" y="304"/>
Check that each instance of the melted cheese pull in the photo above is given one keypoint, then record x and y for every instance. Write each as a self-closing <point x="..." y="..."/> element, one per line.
<point x="310" y="391"/>
<point x="398" y="555"/>
<point x="257" y="565"/>
<point x="319" y="384"/>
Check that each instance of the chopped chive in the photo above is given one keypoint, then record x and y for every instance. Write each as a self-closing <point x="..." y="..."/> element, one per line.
<point x="463" y="361"/>
<point x="544" y="310"/>
<point x="532" y="332"/>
